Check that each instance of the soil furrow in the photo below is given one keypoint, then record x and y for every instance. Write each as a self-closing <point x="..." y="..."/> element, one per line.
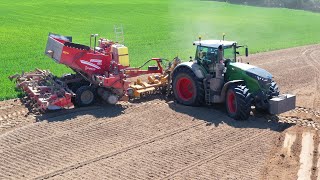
<point x="105" y="136"/>
<point x="216" y="155"/>
<point x="250" y="154"/>
<point x="81" y="164"/>
<point x="162" y="157"/>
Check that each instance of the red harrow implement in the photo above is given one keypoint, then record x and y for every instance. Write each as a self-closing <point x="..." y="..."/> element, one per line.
<point x="100" y="71"/>
<point x="44" y="90"/>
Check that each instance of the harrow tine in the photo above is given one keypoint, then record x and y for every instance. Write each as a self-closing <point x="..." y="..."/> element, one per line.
<point x="28" y="102"/>
<point x="41" y="86"/>
<point x="15" y="76"/>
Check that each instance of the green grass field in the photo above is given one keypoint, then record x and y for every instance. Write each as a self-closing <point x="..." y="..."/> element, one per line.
<point x="154" y="28"/>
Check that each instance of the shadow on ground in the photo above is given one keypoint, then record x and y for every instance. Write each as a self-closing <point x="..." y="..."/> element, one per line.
<point x="216" y="115"/>
<point x="98" y="111"/>
<point x="213" y="115"/>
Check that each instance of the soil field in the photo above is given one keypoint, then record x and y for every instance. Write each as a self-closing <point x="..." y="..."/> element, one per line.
<point x="158" y="139"/>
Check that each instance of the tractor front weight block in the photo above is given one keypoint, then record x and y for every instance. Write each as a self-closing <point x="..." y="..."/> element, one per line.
<point x="282" y="103"/>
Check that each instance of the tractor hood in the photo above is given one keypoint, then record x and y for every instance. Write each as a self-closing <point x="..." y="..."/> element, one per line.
<point x="253" y="70"/>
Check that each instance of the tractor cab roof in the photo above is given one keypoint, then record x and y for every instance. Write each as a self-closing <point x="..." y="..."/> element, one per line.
<point x="213" y="43"/>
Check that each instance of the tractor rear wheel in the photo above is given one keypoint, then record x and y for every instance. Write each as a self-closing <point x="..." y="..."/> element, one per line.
<point x="238" y="102"/>
<point x="187" y="87"/>
<point x="85" y="96"/>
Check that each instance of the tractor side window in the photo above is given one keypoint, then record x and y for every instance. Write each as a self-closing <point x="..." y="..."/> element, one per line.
<point x="228" y="53"/>
<point x="202" y="52"/>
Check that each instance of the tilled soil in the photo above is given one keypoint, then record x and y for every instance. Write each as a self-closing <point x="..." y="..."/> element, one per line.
<point x="14" y="114"/>
<point x="297" y="160"/>
<point x="158" y="139"/>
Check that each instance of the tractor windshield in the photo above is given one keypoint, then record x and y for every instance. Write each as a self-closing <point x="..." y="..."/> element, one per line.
<point x="228" y="53"/>
<point x="206" y="54"/>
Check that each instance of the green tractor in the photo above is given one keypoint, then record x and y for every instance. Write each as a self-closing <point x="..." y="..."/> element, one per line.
<point x="215" y="76"/>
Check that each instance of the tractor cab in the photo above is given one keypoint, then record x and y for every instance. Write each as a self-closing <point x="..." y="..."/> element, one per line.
<point x="214" y="51"/>
<point x="210" y="52"/>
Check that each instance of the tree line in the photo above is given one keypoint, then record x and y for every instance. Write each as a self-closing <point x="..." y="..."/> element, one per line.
<point x="310" y="5"/>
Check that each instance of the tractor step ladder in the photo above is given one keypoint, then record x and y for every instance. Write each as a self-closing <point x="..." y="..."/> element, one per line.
<point x="207" y="90"/>
<point x="118" y="31"/>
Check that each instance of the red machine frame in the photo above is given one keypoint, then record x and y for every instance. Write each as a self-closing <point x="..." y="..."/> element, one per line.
<point x="96" y="65"/>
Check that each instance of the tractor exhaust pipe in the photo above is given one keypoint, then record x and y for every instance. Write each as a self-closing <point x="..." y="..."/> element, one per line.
<point x="90" y="39"/>
<point x="247" y="51"/>
<point x="95" y="41"/>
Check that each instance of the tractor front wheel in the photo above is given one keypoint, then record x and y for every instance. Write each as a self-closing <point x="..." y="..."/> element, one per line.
<point x="238" y="102"/>
<point x="274" y="89"/>
<point x="187" y="88"/>
<point x="85" y="96"/>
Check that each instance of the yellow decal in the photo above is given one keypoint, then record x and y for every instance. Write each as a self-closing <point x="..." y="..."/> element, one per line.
<point x="65" y="52"/>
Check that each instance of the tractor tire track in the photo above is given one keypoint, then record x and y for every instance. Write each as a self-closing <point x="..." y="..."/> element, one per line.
<point x="217" y="155"/>
<point x="123" y="150"/>
<point x="242" y="162"/>
<point x="315" y="64"/>
<point x="298" y="159"/>
<point x="42" y="130"/>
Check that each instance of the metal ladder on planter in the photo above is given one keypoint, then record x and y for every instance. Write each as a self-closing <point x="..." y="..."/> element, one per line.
<point x="118" y="31"/>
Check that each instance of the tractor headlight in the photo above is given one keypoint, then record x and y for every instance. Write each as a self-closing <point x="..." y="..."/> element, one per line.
<point x="263" y="82"/>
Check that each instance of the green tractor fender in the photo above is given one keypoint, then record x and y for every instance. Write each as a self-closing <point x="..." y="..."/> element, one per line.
<point x="198" y="70"/>
<point x="226" y="87"/>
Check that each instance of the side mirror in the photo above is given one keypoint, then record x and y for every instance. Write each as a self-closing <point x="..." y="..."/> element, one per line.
<point x="247" y="52"/>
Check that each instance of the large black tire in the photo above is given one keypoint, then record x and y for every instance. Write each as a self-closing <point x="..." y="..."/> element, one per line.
<point x="85" y="96"/>
<point x="274" y="89"/>
<point x="187" y="88"/>
<point x="238" y="102"/>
